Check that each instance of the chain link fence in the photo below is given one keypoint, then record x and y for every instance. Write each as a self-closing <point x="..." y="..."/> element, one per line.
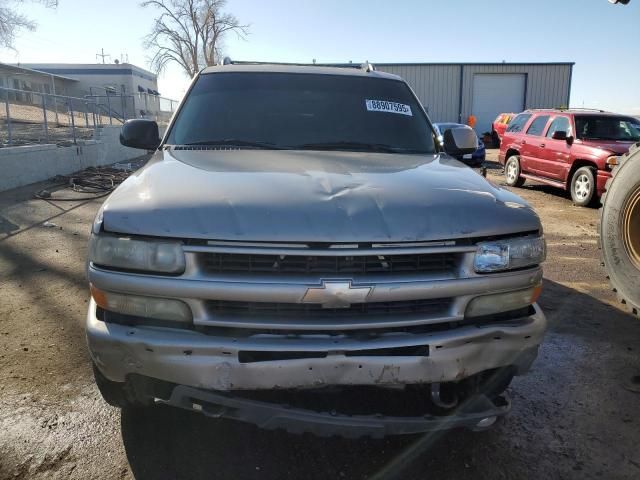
<point x="29" y="117"/>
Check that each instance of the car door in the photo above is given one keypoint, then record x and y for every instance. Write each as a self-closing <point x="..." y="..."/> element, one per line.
<point x="555" y="155"/>
<point x="531" y="149"/>
<point x="514" y="134"/>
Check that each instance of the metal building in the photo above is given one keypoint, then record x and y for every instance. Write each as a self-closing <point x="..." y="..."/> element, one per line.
<point x="450" y="92"/>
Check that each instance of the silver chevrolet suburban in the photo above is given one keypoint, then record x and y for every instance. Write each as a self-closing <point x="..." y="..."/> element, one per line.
<point x="301" y="253"/>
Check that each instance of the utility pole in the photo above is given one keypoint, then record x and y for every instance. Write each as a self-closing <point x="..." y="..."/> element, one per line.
<point x="102" y="55"/>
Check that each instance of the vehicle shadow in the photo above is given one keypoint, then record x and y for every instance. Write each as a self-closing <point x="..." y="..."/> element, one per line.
<point x="570" y="392"/>
<point x="532" y="185"/>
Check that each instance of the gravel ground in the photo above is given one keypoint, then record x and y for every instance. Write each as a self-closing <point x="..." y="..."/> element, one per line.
<point x="572" y="415"/>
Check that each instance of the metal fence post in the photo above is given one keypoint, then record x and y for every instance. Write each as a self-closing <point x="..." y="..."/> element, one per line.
<point x="44" y="113"/>
<point x="6" y="104"/>
<point x="124" y="106"/>
<point x="86" y="113"/>
<point x="95" y="122"/>
<point x="73" y="123"/>
<point x="109" y="106"/>
<point x="55" y="109"/>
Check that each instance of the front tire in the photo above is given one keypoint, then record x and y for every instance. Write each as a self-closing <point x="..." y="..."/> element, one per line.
<point x="512" y="172"/>
<point x="583" y="186"/>
<point x="116" y="394"/>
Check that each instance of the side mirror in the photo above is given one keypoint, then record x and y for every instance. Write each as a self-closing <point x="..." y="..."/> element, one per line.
<point x="460" y="141"/>
<point x="559" y="135"/>
<point x="140" y="133"/>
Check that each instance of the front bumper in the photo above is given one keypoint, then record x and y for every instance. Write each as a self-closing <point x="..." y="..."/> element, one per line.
<point x="477" y="413"/>
<point x="212" y="362"/>
<point x="602" y="176"/>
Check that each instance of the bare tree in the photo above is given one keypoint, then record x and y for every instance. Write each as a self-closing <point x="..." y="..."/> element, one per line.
<point x="190" y="33"/>
<point x="12" y="22"/>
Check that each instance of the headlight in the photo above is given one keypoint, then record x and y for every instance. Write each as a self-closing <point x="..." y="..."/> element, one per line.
<point x="502" y="302"/>
<point x="125" y="253"/>
<point x="509" y="254"/>
<point x="144" y="307"/>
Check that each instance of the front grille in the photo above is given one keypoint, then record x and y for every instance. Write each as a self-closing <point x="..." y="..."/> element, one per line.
<point x="309" y="310"/>
<point x="439" y="263"/>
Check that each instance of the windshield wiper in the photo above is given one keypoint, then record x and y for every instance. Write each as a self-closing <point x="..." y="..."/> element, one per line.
<point x="359" y="146"/>
<point x="234" y="142"/>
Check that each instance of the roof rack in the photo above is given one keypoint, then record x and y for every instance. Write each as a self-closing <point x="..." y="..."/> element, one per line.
<point x="568" y="109"/>
<point x="366" y="66"/>
<point x="585" y="109"/>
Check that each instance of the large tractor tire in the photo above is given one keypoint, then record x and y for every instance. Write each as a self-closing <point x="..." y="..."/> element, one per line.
<point x="620" y="229"/>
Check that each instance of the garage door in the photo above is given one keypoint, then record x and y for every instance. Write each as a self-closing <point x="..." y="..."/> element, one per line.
<point x="494" y="94"/>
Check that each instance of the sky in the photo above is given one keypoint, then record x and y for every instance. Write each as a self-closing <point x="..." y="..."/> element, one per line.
<point x="599" y="37"/>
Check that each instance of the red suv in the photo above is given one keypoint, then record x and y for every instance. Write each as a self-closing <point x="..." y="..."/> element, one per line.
<point x="569" y="149"/>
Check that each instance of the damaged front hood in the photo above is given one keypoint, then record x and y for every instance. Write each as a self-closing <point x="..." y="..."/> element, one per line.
<point x="311" y="196"/>
<point x="617" y="147"/>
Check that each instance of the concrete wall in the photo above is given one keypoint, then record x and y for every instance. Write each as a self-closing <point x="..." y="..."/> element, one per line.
<point x="21" y="166"/>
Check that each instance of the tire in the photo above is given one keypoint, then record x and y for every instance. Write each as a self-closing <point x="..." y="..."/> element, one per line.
<point x="512" y="172"/>
<point x="620" y="229"/>
<point x="583" y="186"/>
<point x="116" y="394"/>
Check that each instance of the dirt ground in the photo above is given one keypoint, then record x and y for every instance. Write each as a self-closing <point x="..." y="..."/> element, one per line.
<point x="572" y="415"/>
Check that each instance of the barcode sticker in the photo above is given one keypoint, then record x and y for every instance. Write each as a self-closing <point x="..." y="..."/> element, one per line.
<point x="389" y="107"/>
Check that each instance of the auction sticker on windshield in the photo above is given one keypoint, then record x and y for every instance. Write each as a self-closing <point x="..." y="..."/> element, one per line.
<point x="390" y="107"/>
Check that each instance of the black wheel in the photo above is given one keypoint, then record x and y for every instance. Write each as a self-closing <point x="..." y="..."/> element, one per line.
<point x="120" y="395"/>
<point x="620" y="229"/>
<point x="512" y="172"/>
<point x="583" y="186"/>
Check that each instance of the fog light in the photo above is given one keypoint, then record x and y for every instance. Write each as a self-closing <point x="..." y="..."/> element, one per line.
<point x="144" y="307"/>
<point x="502" y="302"/>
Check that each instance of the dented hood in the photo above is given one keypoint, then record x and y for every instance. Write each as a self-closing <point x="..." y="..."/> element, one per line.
<point x="617" y="147"/>
<point x="312" y="196"/>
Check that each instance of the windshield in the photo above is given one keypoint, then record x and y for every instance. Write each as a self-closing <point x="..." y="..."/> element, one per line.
<point x="604" y="127"/>
<point x="303" y="111"/>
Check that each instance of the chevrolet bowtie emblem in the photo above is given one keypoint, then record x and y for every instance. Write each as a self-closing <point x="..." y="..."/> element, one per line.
<point x="338" y="294"/>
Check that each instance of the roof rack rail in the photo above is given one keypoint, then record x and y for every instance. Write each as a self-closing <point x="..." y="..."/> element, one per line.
<point x="567" y="109"/>
<point x="366" y="66"/>
<point x="585" y="109"/>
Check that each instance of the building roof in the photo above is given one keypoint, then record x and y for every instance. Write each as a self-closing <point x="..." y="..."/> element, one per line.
<point x="346" y="69"/>
<point x="31" y="71"/>
<point x="93" y="69"/>
<point x="417" y="64"/>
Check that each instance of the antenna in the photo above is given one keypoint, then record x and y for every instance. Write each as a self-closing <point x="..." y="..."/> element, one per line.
<point x="102" y="55"/>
